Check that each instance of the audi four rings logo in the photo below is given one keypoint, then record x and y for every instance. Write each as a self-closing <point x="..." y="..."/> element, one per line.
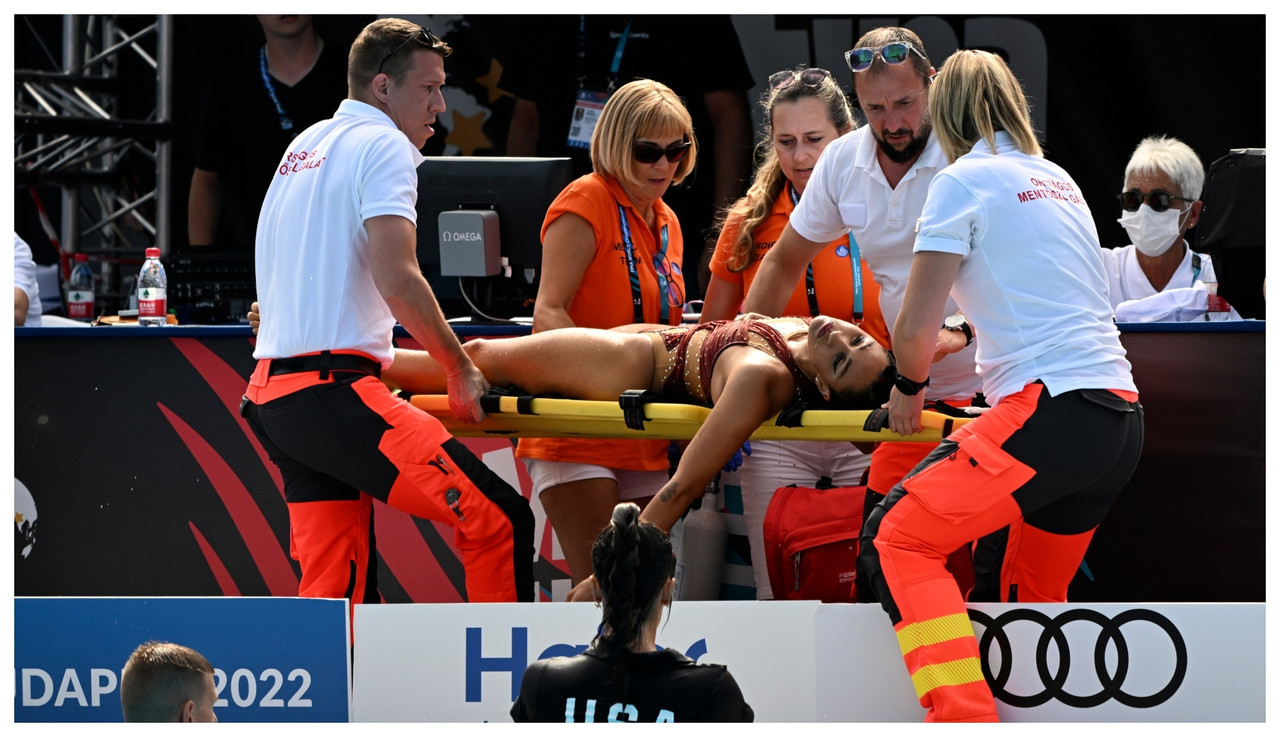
<point x="1054" y="680"/>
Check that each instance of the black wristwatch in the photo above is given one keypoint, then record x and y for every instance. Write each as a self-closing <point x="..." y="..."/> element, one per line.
<point x="909" y="387"/>
<point x="958" y="324"/>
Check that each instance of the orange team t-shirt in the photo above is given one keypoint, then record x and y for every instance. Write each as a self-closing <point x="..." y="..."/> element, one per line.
<point x="604" y="300"/>
<point x="832" y="275"/>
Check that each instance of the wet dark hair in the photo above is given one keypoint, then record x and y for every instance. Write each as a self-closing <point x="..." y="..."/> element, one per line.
<point x="632" y="561"/>
<point x="871" y="396"/>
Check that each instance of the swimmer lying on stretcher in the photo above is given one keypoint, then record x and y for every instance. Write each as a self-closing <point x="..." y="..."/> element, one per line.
<point x="747" y="370"/>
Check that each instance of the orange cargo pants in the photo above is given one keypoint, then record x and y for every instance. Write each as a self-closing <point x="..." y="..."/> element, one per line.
<point x="1046" y="467"/>
<point x="345" y="439"/>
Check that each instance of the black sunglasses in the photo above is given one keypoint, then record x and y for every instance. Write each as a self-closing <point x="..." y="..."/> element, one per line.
<point x="808" y="77"/>
<point x="427" y="36"/>
<point x="649" y="153"/>
<point x="1157" y="200"/>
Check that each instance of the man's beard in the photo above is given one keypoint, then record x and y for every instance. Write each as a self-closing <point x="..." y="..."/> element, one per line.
<point x="913" y="148"/>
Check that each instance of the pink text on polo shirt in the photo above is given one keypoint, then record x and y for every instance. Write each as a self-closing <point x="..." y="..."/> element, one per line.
<point x="1050" y="189"/>
<point x="295" y="162"/>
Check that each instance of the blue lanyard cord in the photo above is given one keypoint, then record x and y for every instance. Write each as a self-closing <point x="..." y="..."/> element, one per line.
<point x="637" y="304"/>
<point x="285" y="123"/>
<point x="628" y="248"/>
<point x="612" y="82"/>
<point x="855" y="261"/>
<point x="811" y="290"/>
<point x="617" y="57"/>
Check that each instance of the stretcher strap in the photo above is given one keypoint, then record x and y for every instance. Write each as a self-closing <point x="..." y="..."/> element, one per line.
<point x="632" y="403"/>
<point x="877" y="420"/>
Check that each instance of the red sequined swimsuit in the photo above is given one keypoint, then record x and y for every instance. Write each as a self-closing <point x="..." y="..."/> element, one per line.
<point x="683" y="380"/>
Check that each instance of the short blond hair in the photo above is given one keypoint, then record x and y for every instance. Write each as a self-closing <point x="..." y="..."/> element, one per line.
<point x="643" y="108"/>
<point x="975" y="95"/>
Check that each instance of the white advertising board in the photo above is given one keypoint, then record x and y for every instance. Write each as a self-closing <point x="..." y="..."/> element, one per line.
<point x="811" y="662"/>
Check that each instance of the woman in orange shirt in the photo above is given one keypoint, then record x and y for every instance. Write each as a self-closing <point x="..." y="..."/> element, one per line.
<point x="611" y="250"/>
<point x="804" y="110"/>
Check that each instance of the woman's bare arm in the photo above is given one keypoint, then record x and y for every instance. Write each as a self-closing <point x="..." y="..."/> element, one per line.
<point x="754" y="391"/>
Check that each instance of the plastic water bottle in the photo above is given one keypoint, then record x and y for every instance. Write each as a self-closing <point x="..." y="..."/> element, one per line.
<point x="1218" y="307"/>
<point x="153" y="304"/>
<point x="701" y="557"/>
<point x="80" y="290"/>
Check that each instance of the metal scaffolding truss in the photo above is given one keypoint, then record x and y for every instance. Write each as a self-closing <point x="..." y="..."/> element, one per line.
<point x="87" y="125"/>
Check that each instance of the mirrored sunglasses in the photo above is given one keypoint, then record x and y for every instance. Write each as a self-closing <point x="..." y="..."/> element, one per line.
<point x="649" y="153"/>
<point x="859" y="60"/>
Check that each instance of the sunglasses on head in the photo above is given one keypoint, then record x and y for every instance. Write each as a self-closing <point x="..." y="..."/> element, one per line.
<point x="808" y="77"/>
<point x="859" y="60"/>
<point x="649" y="153"/>
<point x="425" y="34"/>
<point x="1157" y="200"/>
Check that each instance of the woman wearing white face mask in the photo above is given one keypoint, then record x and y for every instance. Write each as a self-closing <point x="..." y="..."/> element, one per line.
<point x="1158" y="277"/>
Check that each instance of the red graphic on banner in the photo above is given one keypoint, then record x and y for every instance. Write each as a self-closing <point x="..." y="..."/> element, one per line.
<point x="249" y="521"/>
<point x="229" y="386"/>
<point x="219" y="569"/>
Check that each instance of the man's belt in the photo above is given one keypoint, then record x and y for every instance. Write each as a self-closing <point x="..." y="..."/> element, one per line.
<point x="325" y="362"/>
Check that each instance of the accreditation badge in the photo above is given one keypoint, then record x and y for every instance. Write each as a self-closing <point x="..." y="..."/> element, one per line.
<point x="586" y="113"/>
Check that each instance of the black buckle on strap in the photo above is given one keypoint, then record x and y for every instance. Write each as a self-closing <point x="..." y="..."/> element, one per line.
<point x="632" y="402"/>
<point x="877" y="420"/>
<point x="491" y="401"/>
<point x="325" y="362"/>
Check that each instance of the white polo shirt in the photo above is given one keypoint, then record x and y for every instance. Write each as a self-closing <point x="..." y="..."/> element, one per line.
<point x="1031" y="281"/>
<point x="1183" y="298"/>
<point x="848" y="192"/>
<point x="315" y="285"/>
<point x="24" y="278"/>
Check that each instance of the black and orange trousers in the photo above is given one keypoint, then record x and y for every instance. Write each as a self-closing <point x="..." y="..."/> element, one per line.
<point x="1045" y="467"/>
<point x="343" y="440"/>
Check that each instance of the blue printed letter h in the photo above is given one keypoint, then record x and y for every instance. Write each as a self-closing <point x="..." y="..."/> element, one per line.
<point x="478" y="664"/>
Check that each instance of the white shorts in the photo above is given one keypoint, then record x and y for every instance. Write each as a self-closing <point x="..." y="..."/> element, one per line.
<point x="631" y="484"/>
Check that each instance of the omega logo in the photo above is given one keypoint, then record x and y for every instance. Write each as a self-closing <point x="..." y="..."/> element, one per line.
<point x="449" y="236"/>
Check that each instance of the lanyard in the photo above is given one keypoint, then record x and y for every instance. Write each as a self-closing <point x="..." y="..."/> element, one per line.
<point x="811" y="291"/>
<point x="285" y="123"/>
<point x="617" y="55"/>
<point x="628" y="248"/>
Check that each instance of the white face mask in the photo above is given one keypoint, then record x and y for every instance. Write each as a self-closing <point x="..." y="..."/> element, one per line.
<point x="1152" y="232"/>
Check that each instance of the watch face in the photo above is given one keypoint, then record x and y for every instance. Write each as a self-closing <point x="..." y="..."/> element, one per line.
<point x="954" y="322"/>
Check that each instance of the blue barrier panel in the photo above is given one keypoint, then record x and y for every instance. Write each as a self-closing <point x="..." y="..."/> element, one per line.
<point x="275" y="659"/>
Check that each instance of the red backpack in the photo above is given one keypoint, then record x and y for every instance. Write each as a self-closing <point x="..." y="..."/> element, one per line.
<point x="811" y="542"/>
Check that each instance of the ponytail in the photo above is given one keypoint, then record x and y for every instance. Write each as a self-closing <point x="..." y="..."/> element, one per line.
<point x="632" y="561"/>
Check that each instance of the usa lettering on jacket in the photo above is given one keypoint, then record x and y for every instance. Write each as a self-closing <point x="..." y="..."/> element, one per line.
<point x="618" y="712"/>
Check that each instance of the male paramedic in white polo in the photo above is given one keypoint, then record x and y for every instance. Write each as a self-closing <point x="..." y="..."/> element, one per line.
<point x="872" y="183"/>
<point x="336" y="269"/>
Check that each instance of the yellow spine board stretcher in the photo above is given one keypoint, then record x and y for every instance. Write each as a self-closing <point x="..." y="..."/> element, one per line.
<point x="548" y="417"/>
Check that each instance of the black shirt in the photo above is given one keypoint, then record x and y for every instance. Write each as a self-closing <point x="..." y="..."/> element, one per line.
<point x="662" y="686"/>
<point x="691" y="54"/>
<point x="241" y="137"/>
